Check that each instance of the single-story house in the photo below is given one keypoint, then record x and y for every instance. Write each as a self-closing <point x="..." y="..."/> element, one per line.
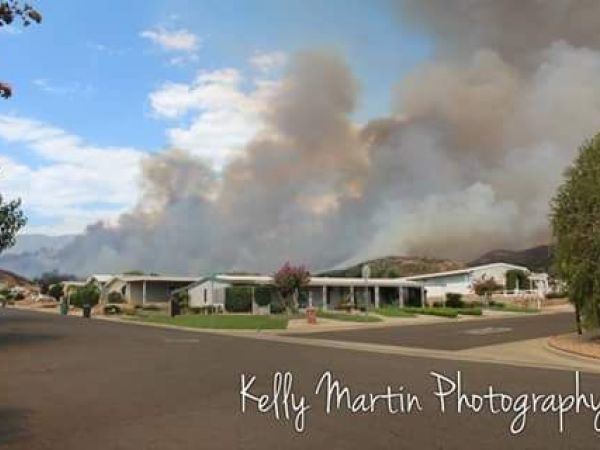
<point x="143" y="289"/>
<point x="323" y="292"/>
<point x="100" y="279"/>
<point x="461" y="281"/>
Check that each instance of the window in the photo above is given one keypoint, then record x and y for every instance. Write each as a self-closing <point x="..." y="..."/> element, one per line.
<point x="205" y="294"/>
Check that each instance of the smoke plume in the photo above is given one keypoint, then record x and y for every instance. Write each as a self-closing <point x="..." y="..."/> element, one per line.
<point x="468" y="161"/>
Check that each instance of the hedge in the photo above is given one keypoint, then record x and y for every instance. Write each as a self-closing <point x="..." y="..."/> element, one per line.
<point x="238" y="299"/>
<point x="454" y="300"/>
<point x="263" y="295"/>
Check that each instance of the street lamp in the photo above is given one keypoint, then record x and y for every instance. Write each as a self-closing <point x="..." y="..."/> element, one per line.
<point x="366" y="273"/>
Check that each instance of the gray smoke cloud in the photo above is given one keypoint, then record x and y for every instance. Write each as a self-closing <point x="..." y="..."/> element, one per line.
<point x="471" y="156"/>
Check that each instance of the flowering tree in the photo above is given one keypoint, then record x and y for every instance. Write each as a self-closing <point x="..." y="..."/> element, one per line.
<point x="289" y="280"/>
<point x="485" y="287"/>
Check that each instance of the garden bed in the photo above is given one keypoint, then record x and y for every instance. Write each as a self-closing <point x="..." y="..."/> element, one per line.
<point x="348" y="317"/>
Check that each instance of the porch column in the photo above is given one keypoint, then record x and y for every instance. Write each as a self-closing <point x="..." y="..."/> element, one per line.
<point x="310" y="298"/>
<point x="376" y="297"/>
<point x="423" y="299"/>
<point x="144" y="292"/>
<point x="254" y="305"/>
<point x="324" y="298"/>
<point x="401" y="296"/>
<point x="352" y="300"/>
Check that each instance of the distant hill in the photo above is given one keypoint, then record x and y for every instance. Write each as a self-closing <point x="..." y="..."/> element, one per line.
<point x="11" y="279"/>
<point x="538" y="259"/>
<point x="397" y="266"/>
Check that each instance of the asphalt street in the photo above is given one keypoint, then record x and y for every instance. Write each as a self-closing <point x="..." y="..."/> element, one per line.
<point x="460" y="335"/>
<point x="72" y="383"/>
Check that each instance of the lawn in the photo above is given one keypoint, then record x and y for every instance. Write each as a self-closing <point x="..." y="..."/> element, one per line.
<point x="219" y="321"/>
<point x="348" y="317"/>
<point x="394" y="312"/>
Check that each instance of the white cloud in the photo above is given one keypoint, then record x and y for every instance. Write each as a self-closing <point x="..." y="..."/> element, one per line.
<point x="224" y="116"/>
<point x="62" y="89"/>
<point x="77" y="183"/>
<point x="266" y="62"/>
<point x="180" y="40"/>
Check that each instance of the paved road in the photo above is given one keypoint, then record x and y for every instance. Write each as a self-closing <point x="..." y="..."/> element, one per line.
<point x="458" y="336"/>
<point x="68" y="383"/>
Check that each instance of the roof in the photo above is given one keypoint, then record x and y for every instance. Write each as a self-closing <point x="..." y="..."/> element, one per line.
<point x="465" y="271"/>
<point x="100" y="277"/>
<point x="152" y="278"/>
<point x="314" y="281"/>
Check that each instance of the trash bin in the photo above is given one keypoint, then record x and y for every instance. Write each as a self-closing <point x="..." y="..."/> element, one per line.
<point x="87" y="311"/>
<point x="311" y="315"/>
<point x="64" y="307"/>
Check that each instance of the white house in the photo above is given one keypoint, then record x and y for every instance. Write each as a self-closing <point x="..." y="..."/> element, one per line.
<point x="142" y="289"/>
<point x="461" y="281"/>
<point x="324" y="292"/>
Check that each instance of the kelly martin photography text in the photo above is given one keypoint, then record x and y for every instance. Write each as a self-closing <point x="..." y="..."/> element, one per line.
<point x="292" y="224"/>
<point x="284" y="404"/>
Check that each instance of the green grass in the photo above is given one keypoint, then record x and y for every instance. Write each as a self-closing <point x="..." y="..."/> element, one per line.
<point x="441" y="312"/>
<point x="469" y="311"/>
<point x="348" y="317"/>
<point x="393" y="312"/>
<point x="219" y="321"/>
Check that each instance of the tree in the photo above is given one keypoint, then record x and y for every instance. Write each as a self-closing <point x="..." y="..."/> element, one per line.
<point x="485" y="287"/>
<point x="575" y="220"/>
<point x="12" y="220"/>
<point x="56" y="291"/>
<point x="9" y="11"/>
<point x="516" y="278"/>
<point x="289" y="280"/>
<point x="86" y="295"/>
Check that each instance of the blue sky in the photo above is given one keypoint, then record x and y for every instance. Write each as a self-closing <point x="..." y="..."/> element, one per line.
<point x="98" y="76"/>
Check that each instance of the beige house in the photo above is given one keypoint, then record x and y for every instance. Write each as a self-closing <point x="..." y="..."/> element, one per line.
<point x="143" y="289"/>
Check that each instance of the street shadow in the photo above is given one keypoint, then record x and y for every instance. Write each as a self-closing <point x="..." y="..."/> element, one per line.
<point x="13" y="424"/>
<point x="18" y="338"/>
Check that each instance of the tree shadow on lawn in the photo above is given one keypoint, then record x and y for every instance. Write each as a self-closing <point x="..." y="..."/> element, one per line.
<point x="13" y="424"/>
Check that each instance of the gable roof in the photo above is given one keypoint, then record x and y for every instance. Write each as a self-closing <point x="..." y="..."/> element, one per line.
<point x="466" y="270"/>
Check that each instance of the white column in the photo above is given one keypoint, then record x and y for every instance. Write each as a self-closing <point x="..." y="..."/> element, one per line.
<point x="401" y="296"/>
<point x="376" y="297"/>
<point x="254" y="305"/>
<point x="310" y="298"/>
<point x="423" y="299"/>
<point x="352" y="300"/>
<point x="324" y="298"/>
<point x="144" y="292"/>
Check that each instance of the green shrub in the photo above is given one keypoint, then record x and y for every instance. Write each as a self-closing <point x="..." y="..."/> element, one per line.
<point x="277" y="306"/>
<point x="441" y="312"/>
<point x="56" y="291"/>
<point x="115" y="297"/>
<point x="111" y="309"/>
<point x="454" y="300"/>
<point x="208" y="309"/>
<point x="85" y="295"/>
<point x="183" y="300"/>
<point x="238" y="299"/>
<point x="470" y="311"/>
<point x="263" y="295"/>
